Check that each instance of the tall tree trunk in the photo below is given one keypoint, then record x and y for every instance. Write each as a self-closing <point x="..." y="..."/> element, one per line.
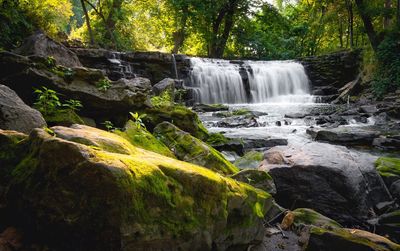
<point x="341" y="32"/>
<point x="89" y="27"/>
<point x="111" y="20"/>
<point x="215" y="32"/>
<point x="179" y="36"/>
<point x="387" y="20"/>
<point x="398" y="13"/>
<point x="369" y="27"/>
<point x="351" y="23"/>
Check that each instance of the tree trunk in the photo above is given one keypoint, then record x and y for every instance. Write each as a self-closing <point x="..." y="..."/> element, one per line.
<point x="369" y="27"/>
<point x="89" y="27"/>
<point x="387" y="20"/>
<point x="179" y="36"/>
<point x="398" y="13"/>
<point x="351" y="23"/>
<point x="111" y="21"/>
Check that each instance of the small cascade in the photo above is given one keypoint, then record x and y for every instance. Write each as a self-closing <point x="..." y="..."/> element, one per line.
<point x="175" y="67"/>
<point x="222" y="81"/>
<point x="120" y="68"/>
<point x="216" y="81"/>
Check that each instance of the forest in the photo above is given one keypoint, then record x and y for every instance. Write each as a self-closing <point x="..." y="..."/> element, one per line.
<point x="202" y="125"/>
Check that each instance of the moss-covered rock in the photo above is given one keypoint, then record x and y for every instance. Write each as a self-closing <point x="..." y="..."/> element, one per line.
<point x="63" y="118"/>
<point x="140" y="137"/>
<point x="388" y="167"/>
<point x="180" y="116"/>
<point x="335" y="239"/>
<point x="257" y="178"/>
<point x="95" y="188"/>
<point x="307" y="217"/>
<point x="190" y="149"/>
<point x="251" y="159"/>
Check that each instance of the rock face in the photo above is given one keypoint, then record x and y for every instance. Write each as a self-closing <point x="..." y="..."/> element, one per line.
<point x="332" y="70"/>
<point x="41" y="45"/>
<point x="15" y="114"/>
<point x="22" y="74"/>
<point x="106" y="194"/>
<point x="333" y="180"/>
<point x="190" y="149"/>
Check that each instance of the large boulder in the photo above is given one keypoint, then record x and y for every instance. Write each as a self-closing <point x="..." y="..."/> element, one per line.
<point x="337" y="182"/>
<point x="167" y="84"/>
<point x="15" y="114"/>
<point x="99" y="96"/>
<point x="190" y="149"/>
<point x="75" y="191"/>
<point x="41" y="45"/>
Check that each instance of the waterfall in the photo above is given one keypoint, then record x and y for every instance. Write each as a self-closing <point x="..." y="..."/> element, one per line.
<point x="216" y="81"/>
<point x="175" y="68"/>
<point x="222" y="81"/>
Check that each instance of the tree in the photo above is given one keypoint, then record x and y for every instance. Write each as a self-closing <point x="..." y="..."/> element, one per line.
<point x="87" y="22"/>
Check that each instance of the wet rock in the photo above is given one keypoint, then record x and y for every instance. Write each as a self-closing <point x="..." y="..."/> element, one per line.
<point x="389" y="223"/>
<point x="210" y="108"/>
<point x="295" y="115"/>
<point x="263" y="143"/>
<point x="16" y="115"/>
<point x="130" y="200"/>
<point x="389" y="169"/>
<point x="301" y="217"/>
<point x="190" y="149"/>
<point x="233" y="145"/>
<point x="368" y="109"/>
<point x="239" y="121"/>
<point x="344" y="135"/>
<point x="256" y="178"/>
<point x="333" y="180"/>
<point x="388" y="143"/>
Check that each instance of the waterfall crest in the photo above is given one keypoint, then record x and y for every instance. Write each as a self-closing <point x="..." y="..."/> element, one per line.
<point x="222" y="81"/>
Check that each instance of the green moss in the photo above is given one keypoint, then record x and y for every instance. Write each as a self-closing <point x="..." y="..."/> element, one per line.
<point x="217" y="139"/>
<point x="251" y="159"/>
<point x="388" y="167"/>
<point x="63" y="117"/>
<point x="193" y="150"/>
<point x="310" y="217"/>
<point x="180" y="116"/>
<point x="352" y="239"/>
<point x="140" y="137"/>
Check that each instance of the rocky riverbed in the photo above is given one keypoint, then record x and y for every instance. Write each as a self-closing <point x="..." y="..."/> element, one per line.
<point x="133" y="170"/>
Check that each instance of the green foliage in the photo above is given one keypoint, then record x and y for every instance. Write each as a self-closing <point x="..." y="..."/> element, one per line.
<point x="73" y="104"/>
<point x="50" y="62"/>
<point x="47" y="101"/>
<point x="108" y="125"/>
<point x="387" y="76"/>
<point x="164" y="99"/>
<point x="103" y="85"/>
<point x="137" y="119"/>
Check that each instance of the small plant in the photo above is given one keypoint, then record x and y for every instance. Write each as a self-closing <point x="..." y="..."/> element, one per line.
<point x="103" y="85"/>
<point x="50" y="62"/>
<point x="137" y="119"/>
<point x="108" y="125"/>
<point x="180" y="95"/>
<point x="73" y="104"/>
<point x="47" y="101"/>
<point x="162" y="100"/>
<point x="49" y="131"/>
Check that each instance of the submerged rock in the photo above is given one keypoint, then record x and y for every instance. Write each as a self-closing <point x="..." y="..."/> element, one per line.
<point x="16" y="115"/>
<point x="190" y="149"/>
<point x="335" y="181"/>
<point x="106" y="194"/>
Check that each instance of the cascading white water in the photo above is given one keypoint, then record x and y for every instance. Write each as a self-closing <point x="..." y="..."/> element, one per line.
<point x="278" y="82"/>
<point x="219" y="81"/>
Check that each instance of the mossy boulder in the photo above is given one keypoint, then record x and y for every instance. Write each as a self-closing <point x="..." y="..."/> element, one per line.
<point x="190" y="149"/>
<point x="63" y="118"/>
<point x="389" y="169"/>
<point x="87" y="189"/>
<point x="180" y="116"/>
<point x="307" y="217"/>
<point x="140" y="137"/>
<point x="257" y="178"/>
<point x="335" y="239"/>
<point x="251" y="159"/>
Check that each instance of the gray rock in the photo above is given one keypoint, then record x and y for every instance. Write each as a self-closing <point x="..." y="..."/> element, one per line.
<point x="295" y="115"/>
<point x="41" y="45"/>
<point x="344" y="135"/>
<point x="333" y="180"/>
<point x="167" y="83"/>
<point x="388" y="143"/>
<point x="16" y="115"/>
<point x="368" y="109"/>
